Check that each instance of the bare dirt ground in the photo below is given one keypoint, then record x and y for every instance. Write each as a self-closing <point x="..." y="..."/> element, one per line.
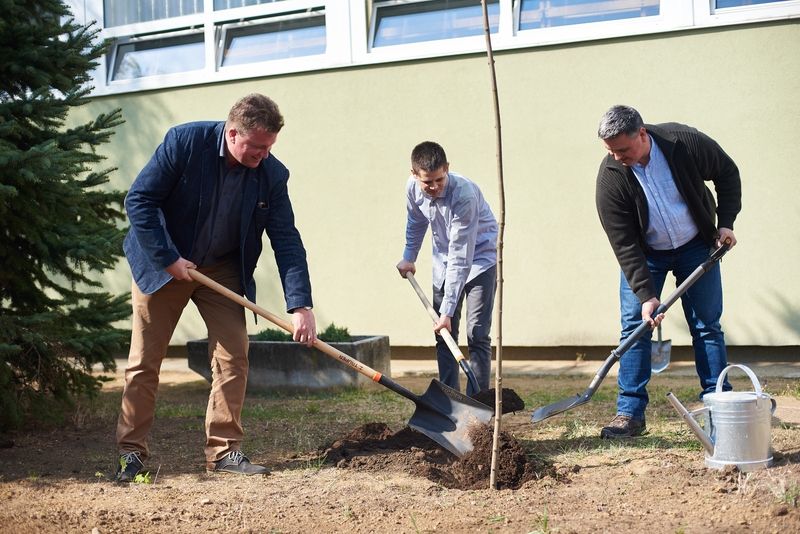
<point x="347" y="463"/>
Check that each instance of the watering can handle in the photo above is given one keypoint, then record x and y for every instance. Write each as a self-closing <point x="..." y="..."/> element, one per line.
<point x="751" y="374"/>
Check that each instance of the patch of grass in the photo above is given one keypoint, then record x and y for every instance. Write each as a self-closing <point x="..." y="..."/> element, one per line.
<point x="787" y="493"/>
<point x="316" y="463"/>
<point x="791" y="390"/>
<point x="542" y="525"/>
<point x="577" y="428"/>
<point x="269" y="412"/>
<point x="171" y="410"/>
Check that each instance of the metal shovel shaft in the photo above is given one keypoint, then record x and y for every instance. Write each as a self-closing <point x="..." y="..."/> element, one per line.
<point x="447" y="336"/>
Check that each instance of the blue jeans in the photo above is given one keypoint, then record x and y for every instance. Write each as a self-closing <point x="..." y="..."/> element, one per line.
<point x="479" y="294"/>
<point x="702" y="307"/>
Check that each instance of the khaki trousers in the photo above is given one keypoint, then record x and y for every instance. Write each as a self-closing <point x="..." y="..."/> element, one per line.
<point x="154" y="320"/>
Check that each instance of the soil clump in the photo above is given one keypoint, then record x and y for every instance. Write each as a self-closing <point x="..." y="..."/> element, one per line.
<point x="511" y="401"/>
<point x="374" y="447"/>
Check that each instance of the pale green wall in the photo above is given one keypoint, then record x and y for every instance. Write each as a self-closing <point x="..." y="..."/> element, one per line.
<point x="349" y="132"/>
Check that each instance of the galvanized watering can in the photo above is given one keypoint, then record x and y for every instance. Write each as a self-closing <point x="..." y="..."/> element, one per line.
<point x="735" y="425"/>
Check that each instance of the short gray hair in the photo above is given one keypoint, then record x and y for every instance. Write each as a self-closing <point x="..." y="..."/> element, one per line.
<point x="619" y="120"/>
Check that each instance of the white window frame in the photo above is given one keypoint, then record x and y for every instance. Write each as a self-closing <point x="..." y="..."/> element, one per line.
<point x="705" y="15"/>
<point x="347" y="29"/>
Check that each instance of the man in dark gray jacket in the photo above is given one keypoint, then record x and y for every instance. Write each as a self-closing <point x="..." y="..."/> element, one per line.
<point x="660" y="217"/>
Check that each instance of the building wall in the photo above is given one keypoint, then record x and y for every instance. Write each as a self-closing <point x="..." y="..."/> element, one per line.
<point x="349" y="133"/>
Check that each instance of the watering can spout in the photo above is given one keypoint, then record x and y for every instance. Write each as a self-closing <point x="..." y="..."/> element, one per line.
<point x="693" y="425"/>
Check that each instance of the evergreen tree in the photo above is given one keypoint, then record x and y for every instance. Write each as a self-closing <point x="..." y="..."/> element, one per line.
<point x="59" y="226"/>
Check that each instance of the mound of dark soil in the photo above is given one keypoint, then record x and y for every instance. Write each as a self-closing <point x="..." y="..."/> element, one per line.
<point x="374" y="447"/>
<point x="511" y="401"/>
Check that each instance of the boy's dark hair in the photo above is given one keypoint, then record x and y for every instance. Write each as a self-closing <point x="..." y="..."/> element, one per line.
<point x="428" y="156"/>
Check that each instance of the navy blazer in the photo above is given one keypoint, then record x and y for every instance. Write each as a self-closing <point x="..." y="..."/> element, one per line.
<point x="171" y="196"/>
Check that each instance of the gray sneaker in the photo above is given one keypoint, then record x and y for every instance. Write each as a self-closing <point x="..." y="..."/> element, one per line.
<point x="238" y="463"/>
<point x="130" y="464"/>
<point x="623" y="426"/>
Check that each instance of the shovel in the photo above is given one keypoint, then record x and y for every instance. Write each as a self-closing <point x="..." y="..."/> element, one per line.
<point x="660" y="353"/>
<point x="472" y="382"/>
<point x="442" y="413"/>
<point x="544" y="412"/>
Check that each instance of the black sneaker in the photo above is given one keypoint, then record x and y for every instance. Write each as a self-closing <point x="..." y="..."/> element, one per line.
<point x="130" y="465"/>
<point x="623" y="426"/>
<point x="236" y="462"/>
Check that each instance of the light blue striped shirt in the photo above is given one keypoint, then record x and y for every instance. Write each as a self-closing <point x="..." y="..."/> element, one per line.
<point x="464" y="234"/>
<point x="670" y="223"/>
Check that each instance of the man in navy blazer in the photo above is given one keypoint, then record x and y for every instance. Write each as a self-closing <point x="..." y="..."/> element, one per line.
<point x="203" y="202"/>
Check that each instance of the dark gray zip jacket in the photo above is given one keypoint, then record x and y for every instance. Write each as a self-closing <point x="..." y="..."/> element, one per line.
<point x="693" y="158"/>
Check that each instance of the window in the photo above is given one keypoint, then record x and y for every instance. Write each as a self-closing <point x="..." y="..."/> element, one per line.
<point x="120" y="12"/>
<point x="163" y="55"/>
<point x="292" y="36"/>
<point x="722" y="4"/>
<point x="545" y="13"/>
<point x="230" y="4"/>
<point x="413" y="22"/>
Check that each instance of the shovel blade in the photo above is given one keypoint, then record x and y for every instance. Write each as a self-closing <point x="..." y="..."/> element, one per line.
<point x="660" y="355"/>
<point x="447" y="416"/>
<point x="540" y="414"/>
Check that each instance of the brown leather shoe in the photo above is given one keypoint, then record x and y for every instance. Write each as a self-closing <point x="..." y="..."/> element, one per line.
<point x="237" y="463"/>
<point x="623" y="426"/>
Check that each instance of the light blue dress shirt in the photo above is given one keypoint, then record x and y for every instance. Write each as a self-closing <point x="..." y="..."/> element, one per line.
<point x="670" y="225"/>
<point x="463" y="234"/>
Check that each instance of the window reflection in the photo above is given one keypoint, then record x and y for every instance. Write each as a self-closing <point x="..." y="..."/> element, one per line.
<point x="547" y="13"/>
<point x="262" y="42"/>
<point x="159" y="56"/>
<point x="230" y="4"/>
<point x="722" y="4"/>
<point x="119" y="12"/>
<point x="427" y="21"/>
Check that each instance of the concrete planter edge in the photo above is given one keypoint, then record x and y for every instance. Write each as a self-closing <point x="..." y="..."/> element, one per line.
<point x="290" y="366"/>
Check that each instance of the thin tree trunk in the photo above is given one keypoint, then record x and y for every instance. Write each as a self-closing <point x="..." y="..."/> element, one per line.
<point x="498" y="321"/>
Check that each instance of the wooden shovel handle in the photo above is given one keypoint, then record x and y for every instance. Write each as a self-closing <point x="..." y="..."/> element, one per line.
<point x="445" y="333"/>
<point x="318" y="344"/>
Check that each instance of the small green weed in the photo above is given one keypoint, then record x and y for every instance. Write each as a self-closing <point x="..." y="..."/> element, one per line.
<point x="542" y="523"/>
<point x="143" y="478"/>
<point x="791" y="495"/>
<point x="414" y="523"/>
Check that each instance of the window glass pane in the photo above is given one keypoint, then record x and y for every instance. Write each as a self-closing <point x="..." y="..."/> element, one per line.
<point x="159" y="56"/>
<point x="427" y="21"/>
<point x="288" y="38"/>
<point x="119" y="12"/>
<point x="230" y="4"/>
<point x="722" y="4"/>
<point x="547" y="13"/>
